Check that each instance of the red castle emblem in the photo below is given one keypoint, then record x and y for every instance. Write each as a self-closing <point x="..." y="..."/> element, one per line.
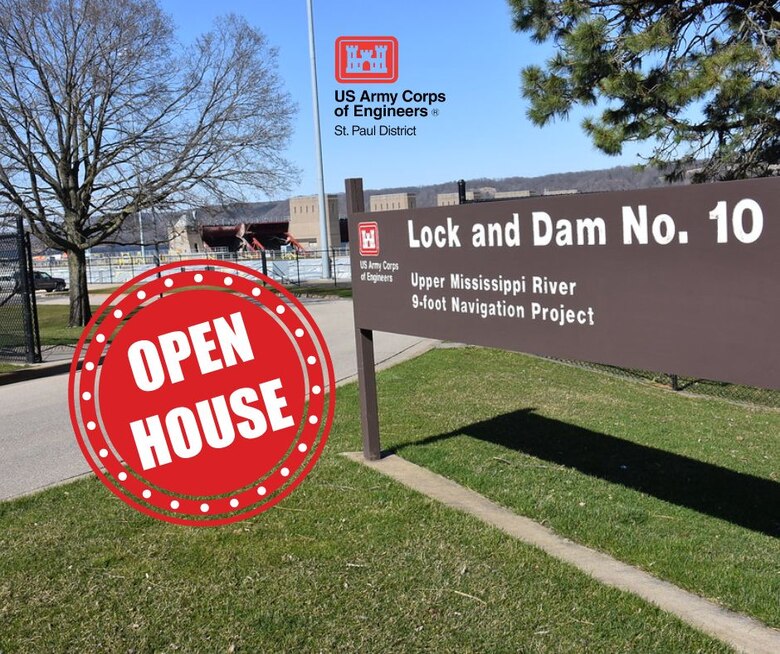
<point x="366" y="59"/>
<point x="368" y="239"/>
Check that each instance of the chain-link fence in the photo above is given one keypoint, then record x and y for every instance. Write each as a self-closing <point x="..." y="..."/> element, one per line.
<point x="19" y="339"/>
<point x="721" y="390"/>
<point x="287" y="267"/>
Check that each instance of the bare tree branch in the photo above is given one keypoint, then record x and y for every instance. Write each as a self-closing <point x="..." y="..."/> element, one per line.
<point x="104" y="115"/>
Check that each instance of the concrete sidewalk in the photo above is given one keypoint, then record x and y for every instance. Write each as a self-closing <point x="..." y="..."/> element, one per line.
<point x="36" y="437"/>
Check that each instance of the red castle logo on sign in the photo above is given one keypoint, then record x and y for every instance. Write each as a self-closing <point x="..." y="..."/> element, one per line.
<point x="368" y="239"/>
<point x="366" y="59"/>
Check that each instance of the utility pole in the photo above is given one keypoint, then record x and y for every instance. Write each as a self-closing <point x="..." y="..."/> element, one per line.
<point x="324" y="242"/>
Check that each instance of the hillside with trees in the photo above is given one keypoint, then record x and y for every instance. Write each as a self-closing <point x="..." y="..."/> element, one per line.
<point x="620" y="178"/>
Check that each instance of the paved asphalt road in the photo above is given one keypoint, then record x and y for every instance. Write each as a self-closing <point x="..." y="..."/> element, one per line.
<point x="37" y="445"/>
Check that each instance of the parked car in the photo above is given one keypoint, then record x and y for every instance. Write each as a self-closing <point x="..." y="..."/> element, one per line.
<point x="45" y="282"/>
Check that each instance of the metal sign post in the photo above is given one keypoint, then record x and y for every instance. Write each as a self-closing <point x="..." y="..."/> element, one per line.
<point x="364" y="341"/>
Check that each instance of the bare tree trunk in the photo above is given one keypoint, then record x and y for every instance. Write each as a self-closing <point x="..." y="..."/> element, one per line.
<point x="80" y="311"/>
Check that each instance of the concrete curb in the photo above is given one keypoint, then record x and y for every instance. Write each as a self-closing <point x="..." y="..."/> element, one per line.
<point x="35" y="371"/>
<point x="40" y="370"/>
<point x="741" y="632"/>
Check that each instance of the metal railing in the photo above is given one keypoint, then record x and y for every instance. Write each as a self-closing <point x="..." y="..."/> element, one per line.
<point x="706" y="387"/>
<point x="287" y="267"/>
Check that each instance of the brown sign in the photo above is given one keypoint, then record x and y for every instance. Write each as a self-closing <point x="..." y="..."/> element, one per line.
<point x="684" y="280"/>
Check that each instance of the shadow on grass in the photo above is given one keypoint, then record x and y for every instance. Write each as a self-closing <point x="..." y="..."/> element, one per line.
<point x="739" y="498"/>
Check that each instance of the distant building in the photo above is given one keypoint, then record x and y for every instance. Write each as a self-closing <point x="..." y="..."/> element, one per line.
<point x="185" y="236"/>
<point x="484" y="193"/>
<point x="449" y="199"/>
<point x="235" y="228"/>
<point x="508" y="195"/>
<point x="392" y="202"/>
<point x="305" y="220"/>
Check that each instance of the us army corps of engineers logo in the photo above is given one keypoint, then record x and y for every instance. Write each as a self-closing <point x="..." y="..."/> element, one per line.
<point x="366" y="59"/>
<point x="368" y="239"/>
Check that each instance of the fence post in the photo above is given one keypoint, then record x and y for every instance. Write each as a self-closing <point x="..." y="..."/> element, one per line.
<point x="37" y="358"/>
<point x="27" y="284"/>
<point x="675" y="382"/>
<point x="264" y="262"/>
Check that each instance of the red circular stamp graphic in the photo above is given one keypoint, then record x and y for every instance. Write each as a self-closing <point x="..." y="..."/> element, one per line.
<point x="201" y="392"/>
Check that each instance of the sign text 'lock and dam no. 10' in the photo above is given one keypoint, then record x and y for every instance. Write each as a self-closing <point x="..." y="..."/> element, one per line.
<point x="681" y="279"/>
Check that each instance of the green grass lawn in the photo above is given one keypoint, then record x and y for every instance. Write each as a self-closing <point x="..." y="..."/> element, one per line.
<point x="9" y="367"/>
<point x="685" y="488"/>
<point x="344" y="289"/>
<point x="53" y="325"/>
<point x="352" y="561"/>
